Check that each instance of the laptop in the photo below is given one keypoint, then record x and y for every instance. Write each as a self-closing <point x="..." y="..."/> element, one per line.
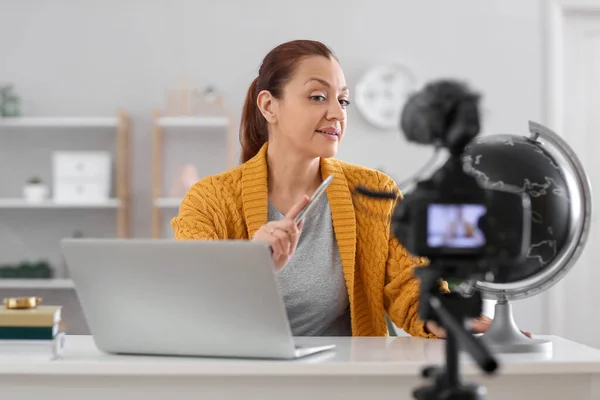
<point x="182" y="298"/>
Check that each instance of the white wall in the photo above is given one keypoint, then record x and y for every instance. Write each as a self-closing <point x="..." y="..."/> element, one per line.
<point x="90" y="57"/>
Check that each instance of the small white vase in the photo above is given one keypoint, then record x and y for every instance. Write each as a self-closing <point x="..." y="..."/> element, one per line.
<point x="35" y="193"/>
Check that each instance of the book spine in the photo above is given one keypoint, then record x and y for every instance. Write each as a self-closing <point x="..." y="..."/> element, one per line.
<point x="29" y="319"/>
<point x="27" y="332"/>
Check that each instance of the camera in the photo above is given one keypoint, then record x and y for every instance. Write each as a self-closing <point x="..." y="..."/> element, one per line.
<point x="451" y="218"/>
<point x="468" y="230"/>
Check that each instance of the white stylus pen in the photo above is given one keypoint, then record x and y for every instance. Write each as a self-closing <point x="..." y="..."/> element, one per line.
<point x="313" y="199"/>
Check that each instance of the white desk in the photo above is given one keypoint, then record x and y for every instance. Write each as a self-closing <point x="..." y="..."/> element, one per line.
<point x="360" y="368"/>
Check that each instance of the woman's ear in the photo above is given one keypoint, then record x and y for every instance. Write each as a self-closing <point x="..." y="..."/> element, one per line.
<point x="266" y="105"/>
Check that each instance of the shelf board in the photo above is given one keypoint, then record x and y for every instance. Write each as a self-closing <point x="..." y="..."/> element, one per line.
<point x="22" y="203"/>
<point x="168" y="202"/>
<point x="193" y="122"/>
<point x="58" y="122"/>
<point x="19" y="283"/>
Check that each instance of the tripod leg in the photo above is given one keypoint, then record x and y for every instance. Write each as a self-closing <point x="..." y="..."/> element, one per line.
<point x="452" y="362"/>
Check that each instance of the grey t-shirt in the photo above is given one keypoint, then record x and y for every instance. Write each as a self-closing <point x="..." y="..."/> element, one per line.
<point x="312" y="282"/>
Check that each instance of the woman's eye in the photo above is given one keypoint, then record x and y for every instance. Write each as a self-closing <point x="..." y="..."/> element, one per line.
<point x="345" y="103"/>
<point x="317" y="98"/>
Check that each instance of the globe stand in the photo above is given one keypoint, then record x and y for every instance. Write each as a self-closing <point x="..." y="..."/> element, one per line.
<point x="504" y="336"/>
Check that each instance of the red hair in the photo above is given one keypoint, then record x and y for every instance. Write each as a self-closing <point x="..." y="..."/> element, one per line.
<point x="275" y="71"/>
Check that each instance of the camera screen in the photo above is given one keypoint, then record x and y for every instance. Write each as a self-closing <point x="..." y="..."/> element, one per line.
<point x="455" y="225"/>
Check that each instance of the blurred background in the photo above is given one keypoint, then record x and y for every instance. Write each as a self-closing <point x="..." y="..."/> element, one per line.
<point x="121" y="103"/>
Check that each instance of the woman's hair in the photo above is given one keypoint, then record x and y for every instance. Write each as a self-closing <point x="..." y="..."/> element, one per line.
<point x="276" y="69"/>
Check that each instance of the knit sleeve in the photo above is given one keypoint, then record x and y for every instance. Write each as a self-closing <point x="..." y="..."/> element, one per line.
<point x="201" y="213"/>
<point x="401" y="291"/>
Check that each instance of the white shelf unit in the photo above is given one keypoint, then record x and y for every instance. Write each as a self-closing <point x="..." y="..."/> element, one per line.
<point x="119" y="124"/>
<point x="11" y="283"/>
<point x="163" y="124"/>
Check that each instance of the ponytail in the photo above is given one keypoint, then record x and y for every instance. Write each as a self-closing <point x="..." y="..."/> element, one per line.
<point x="253" y="127"/>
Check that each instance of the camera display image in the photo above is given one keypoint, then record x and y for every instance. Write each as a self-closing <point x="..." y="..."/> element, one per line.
<point x="455" y="225"/>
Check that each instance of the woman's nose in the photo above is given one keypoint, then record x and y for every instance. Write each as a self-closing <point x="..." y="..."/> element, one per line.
<point x="335" y="111"/>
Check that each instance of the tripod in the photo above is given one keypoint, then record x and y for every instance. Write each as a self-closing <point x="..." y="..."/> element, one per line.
<point x="449" y="311"/>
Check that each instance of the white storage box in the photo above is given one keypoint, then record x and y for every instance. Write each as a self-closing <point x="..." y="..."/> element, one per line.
<point x="81" y="176"/>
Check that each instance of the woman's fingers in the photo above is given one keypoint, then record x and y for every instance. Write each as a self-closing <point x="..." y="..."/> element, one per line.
<point x="479" y="326"/>
<point x="283" y="239"/>
<point x="296" y="208"/>
<point x="266" y="234"/>
<point x="287" y="233"/>
<point x="275" y="244"/>
<point x="435" y="329"/>
<point x="483" y="323"/>
<point x="294" y="237"/>
<point x="283" y="235"/>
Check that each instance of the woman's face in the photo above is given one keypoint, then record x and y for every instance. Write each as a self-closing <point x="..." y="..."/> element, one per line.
<point x="311" y="115"/>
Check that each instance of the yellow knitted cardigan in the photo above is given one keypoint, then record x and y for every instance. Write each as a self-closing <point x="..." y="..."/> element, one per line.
<point x="378" y="271"/>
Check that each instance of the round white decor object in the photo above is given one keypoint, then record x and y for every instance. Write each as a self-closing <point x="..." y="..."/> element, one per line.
<point x="380" y="95"/>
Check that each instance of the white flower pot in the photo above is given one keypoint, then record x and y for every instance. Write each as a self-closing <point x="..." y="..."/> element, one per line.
<point x="35" y="193"/>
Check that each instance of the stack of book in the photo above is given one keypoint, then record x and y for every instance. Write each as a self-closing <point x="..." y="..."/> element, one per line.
<point x="39" y="323"/>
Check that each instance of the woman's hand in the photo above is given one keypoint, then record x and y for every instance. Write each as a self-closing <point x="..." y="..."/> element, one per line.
<point x="282" y="235"/>
<point x="478" y="325"/>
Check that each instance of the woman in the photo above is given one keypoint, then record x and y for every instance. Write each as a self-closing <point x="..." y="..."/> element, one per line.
<point x="340" y="270"/>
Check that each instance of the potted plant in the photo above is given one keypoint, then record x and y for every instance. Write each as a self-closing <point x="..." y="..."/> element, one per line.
<point x="35" y="191"/>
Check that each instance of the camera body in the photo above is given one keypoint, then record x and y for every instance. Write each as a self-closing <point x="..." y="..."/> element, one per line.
<point x="453" y="220"/>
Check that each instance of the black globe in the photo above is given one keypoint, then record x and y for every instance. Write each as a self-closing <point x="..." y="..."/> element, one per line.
<point x="521" y="162"/>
